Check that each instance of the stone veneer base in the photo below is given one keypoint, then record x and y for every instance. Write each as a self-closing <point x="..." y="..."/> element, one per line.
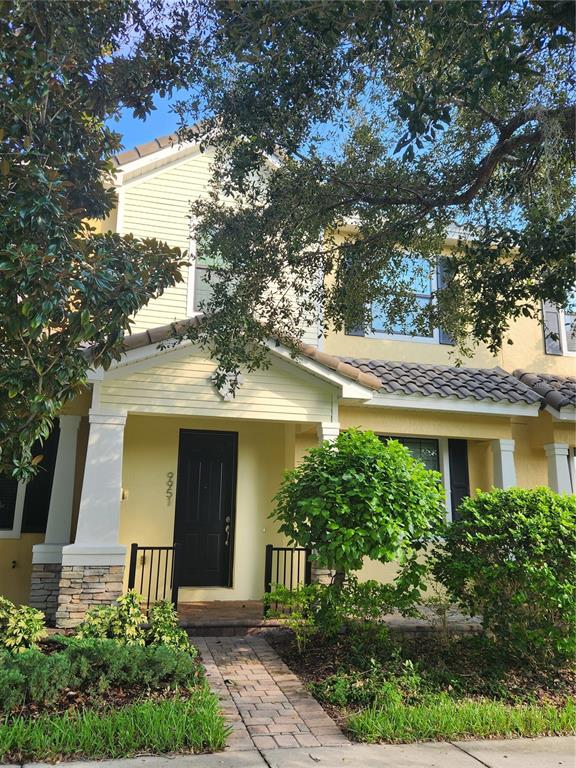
<point x="44" y="588"/>
<point x="85" y="586"/>
<point x="321" y="575"/>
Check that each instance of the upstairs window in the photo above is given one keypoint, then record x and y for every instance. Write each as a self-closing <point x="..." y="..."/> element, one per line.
<point x="423" y="284"/>
<point x="203" y="260"/>
<point x="560" y="327"/>
<point x="424" y="281"/>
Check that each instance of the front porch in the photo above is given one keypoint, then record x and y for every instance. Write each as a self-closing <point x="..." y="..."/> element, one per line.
<point x="172" y="459"/>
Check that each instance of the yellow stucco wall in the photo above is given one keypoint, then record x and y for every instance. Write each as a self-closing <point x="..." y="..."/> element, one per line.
<point x="394" y="421"/>
<point x="16" y="566"/>
<point x="147" y="518"/>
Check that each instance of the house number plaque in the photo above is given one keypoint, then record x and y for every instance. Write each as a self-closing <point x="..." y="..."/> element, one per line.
<point x="169" y="487"/>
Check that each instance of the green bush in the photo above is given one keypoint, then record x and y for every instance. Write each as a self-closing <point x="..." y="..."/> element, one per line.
<point x="319" y="609"/>
<point x="360" y="497"/>
<point x="123" y="621"/>
<point x="91" y="665"/>
<point x="164" y="627"/>
<point x="511" y="558"/>
<point x="21" y="627"/>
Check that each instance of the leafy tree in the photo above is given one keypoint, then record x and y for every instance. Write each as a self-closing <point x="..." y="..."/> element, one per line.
<point x="394" y="121"/>
<point x="359" y="497"/>
<point x="65" y="68"/>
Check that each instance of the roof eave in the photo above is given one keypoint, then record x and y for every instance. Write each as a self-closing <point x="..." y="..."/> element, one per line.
<point x="454" y="405"/>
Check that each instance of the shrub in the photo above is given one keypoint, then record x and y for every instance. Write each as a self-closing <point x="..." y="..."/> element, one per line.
<point x="511" y="558"/>
<point x="123" y="621"/>
<point x="92" y="665"/>
<point x="164" y="628"/>
<point x="319" y="609"/>
<point x="21" y="627"/>
<point x="360" y="497"/>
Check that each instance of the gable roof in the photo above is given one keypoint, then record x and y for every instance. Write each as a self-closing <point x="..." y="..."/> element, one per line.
<point x="165" y="332"/>
<point x="143" y="150"/>
<point x="556" y="391"/>
<point x="423" y="379"/>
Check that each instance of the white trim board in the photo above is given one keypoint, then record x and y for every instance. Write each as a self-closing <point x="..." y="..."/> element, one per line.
<point x="453" y="405"/>
<point x="566" y="414"/>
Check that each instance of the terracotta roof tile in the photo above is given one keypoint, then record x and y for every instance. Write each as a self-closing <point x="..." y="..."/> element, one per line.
<point x="165" y="332"/>
<point x="556" y="391"/>
<point x="143" y="150"/>
<point x="427" y="380"/>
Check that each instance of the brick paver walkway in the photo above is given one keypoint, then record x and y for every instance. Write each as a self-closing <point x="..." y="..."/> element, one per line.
<point x="266" y="704"/>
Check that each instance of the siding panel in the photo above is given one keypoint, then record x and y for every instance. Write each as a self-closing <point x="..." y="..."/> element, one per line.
<point x="181" y="384"/>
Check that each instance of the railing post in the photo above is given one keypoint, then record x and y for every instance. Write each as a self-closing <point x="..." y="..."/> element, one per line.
<point x="308" y="567"/>
<point x="268" y="568"/>
<point x="132" y="568"/>
<point x="267" y="573"/>
<point x="175" y="573"/>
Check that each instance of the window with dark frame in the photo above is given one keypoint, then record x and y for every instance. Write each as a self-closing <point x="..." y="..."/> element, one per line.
<point x="38" y="491"/>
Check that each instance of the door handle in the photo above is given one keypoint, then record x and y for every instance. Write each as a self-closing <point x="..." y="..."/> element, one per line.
<point x="227" y="531"/>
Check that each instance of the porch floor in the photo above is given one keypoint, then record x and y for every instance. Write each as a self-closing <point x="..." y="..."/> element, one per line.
<point x="219" y="614"/>
<point x="237" y="617"/>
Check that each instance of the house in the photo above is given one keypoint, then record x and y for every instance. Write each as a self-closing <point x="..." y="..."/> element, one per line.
<point x="153" y="453"/>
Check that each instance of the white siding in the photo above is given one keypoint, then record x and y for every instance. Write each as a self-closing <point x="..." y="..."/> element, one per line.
<point x="180" y="383"/>
<point x="158" y="205"/>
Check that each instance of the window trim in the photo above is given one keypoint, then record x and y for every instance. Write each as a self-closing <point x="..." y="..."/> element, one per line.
<point x="443" y="463"/>
<point x="433" y="339"/>
<point x="563" y="336"/>
<point x="15" y="531"/>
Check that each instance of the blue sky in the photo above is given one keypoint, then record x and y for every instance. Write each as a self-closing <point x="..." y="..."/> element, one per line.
<point x="158" y="123"/>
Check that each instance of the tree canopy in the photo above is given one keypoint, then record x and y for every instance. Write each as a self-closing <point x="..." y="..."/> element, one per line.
<point x="390" y="126"/>
<point x="65" y="68"/>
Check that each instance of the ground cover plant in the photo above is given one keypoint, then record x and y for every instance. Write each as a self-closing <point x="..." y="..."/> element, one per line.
<point x="383" y="687"/>
<point x="115" y="688"/>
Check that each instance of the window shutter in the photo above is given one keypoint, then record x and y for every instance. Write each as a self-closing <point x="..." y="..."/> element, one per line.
<point x="39" y="489"/>
<point x="442" y="275"/>
<point x="551" y="314"/>
<point x="8" y="491"/>
<point x="459" y="476"/>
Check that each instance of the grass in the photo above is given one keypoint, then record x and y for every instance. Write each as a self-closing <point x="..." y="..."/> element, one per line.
<point x="443" y="718"/>
<point x="192" y="724"/>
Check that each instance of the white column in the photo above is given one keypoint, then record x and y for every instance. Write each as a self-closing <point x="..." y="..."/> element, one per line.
<point x="328" y="430"/>
<point x="558" y="468"/>
<point x="504" y="468"/>
<point x="61" y="498"/>
<point x="99" y="516"/>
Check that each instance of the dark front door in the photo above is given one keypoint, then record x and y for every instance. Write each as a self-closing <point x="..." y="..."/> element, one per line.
<point x="205" y="507"/>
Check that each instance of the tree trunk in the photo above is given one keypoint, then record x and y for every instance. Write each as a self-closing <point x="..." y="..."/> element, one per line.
<point x="338" y="578"/>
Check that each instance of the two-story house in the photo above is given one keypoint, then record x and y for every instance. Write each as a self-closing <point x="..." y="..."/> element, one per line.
<point x="154" y="453"/>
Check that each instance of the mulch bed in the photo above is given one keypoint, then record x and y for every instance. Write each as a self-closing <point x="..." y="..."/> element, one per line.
<point x="462" y="660"/>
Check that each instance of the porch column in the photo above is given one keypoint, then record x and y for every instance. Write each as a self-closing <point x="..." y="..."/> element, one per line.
<point x="327" y="430"/>
<point x="504" y="468"/>
<point x="93" y="566"/>
<point x="558" y="468"/>
<point x="47" y="557"/>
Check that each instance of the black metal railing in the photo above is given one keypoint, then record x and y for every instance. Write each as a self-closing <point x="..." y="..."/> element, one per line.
<point x="153" y="573"/>
<point x="289" y="567"/>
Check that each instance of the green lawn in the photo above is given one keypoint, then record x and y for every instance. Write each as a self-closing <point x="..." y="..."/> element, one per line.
<point x="443" y="718"/>
<point x="190" y="724"/>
